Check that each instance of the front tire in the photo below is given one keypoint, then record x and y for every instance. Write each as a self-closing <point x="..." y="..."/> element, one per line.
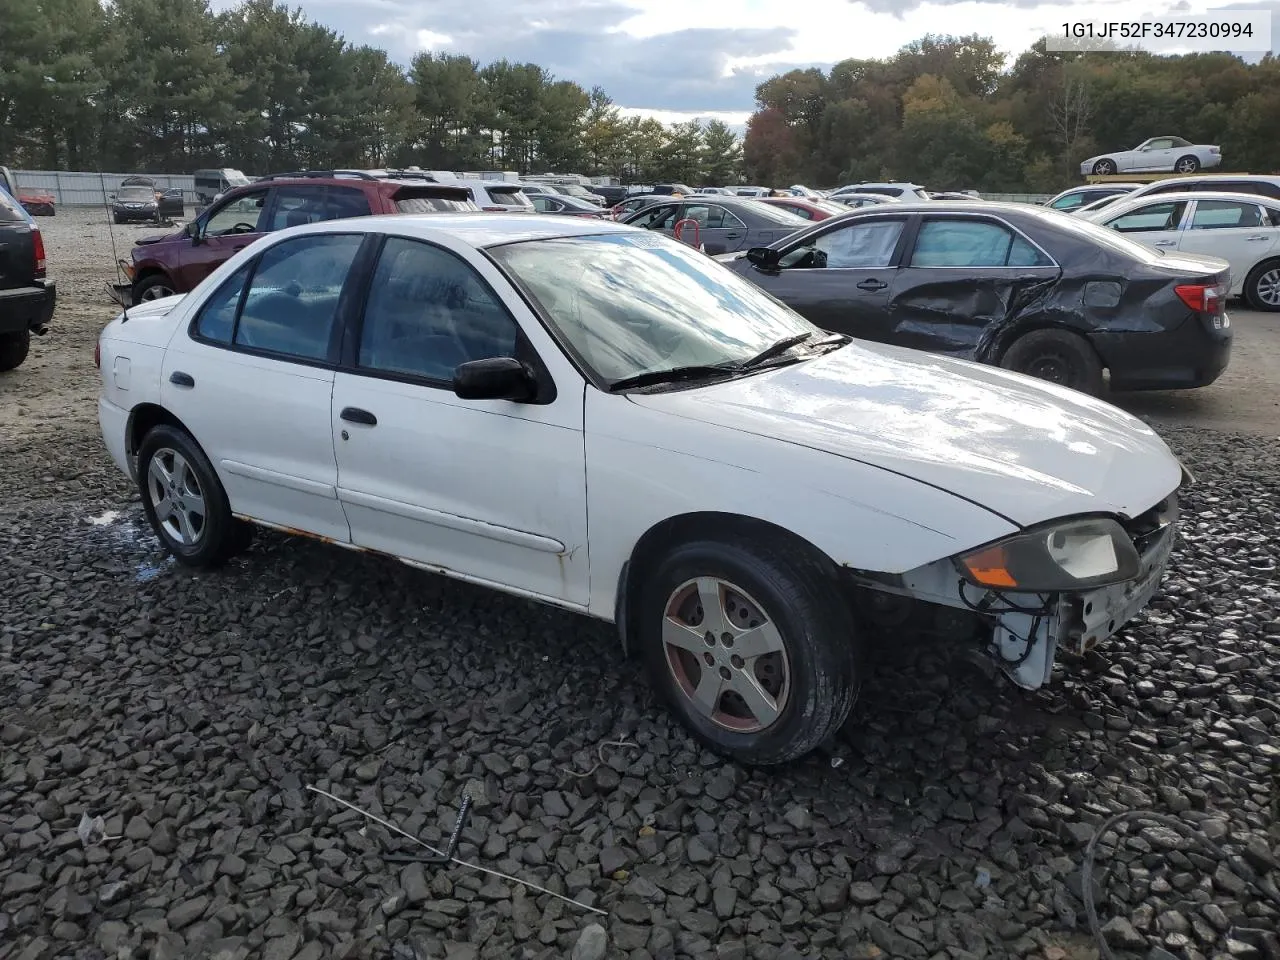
<point x="1187" y="164"/>
<point x="14" y="348"/>
<point x="185" y="502"/>
<point x="1057" y="356"/>
<point x="1262" y="287"/>
<point x="1104" y="168"/>
<point x="153" y="287"/>
<point x="751" y="646"/>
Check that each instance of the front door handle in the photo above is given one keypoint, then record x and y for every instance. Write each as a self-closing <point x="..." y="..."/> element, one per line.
<point x="1258" y="237"/>
<point x="356" y="415"/>
<point x="1165" y="243"/>
<point x="733" y="236"/>
<point x="872" y="285"/>
<point x="180" y="379"/>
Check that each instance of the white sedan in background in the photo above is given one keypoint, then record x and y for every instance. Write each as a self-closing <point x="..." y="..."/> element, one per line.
<point x="1159" y="154"/>
<point x="601" y="418"/>
<point x="1241" y="228"/>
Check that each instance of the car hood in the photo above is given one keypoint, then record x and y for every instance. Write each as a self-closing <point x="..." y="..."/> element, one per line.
<point x="1026" y="450"/>
<point x="158" y="238"/>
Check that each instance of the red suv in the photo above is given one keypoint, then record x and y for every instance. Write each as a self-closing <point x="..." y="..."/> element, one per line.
<point x="174" y="263"/>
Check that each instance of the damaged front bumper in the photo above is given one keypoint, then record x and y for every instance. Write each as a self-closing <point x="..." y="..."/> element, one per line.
<point x="1022" y="632"/>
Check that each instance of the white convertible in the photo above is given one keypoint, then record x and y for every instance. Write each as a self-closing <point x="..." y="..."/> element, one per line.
<point x="603" y="419"/>
<point x="1159" y="153"/>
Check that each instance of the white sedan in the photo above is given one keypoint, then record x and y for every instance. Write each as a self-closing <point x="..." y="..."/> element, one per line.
<point x="1241" y="228"/>
<point x="1171" y="154"/>
<point x="603" y="419"/>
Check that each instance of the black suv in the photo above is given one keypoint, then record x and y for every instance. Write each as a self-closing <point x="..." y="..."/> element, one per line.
<point x="26" y="297"/>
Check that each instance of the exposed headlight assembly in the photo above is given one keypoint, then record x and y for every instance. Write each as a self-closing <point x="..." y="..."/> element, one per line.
<point x="1058" y="557"/>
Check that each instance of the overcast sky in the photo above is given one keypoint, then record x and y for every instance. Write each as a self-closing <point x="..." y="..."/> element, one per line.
<point x="676" y="59"/>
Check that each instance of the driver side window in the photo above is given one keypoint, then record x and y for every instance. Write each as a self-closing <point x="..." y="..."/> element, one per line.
<point x="241" y="215"/>
<point x="660" y="217"/>
<point x="1153" y="218"/>
<point x="853" y="246"/>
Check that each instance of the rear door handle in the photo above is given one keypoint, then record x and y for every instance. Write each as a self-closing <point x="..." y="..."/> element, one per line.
<point x="356" y="415"/>
<point x="1258" y="237"/>
<point x="180" y="379"/>
<point x="872" y="285"/>
<point x="1165" y="243"/>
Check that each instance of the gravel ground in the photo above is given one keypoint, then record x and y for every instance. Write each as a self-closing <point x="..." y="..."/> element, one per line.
<point x="191" y="713"/>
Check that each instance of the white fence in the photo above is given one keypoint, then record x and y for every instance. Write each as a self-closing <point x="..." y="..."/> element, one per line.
<point x="80" y="189"/>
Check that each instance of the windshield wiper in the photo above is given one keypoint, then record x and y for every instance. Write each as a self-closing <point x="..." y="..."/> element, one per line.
<point x="774" y="349"/>
<point x="675" y="375"/>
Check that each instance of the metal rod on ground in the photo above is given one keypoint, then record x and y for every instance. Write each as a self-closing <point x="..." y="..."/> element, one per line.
<point x="462" y="863"/>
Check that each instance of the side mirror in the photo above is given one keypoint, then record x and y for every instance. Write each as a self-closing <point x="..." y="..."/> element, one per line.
<point x="763" y="257"/>
<point x="494" y="378"/>
<point x="111" y="197"/>
<point x="192" y="230"/>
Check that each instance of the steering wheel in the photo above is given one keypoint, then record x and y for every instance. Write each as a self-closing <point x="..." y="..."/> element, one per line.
<point x="241" y="227"/>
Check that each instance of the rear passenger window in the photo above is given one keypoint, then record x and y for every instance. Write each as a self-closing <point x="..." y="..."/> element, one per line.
<point x="217" y="317"/>
<point x="428" y="312"/>
<point x="343" y="202"/>
<point x="1224" y="214"/>
<point x="973" y="243"/>
<point x="293" y="298"/>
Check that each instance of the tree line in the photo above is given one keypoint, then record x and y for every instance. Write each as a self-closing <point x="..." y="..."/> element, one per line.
<point x="946" y="113"/>
<point x="170" y="86"/>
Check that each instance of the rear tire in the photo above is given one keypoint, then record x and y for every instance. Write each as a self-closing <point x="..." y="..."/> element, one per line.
<point x="1187" y="164"/>
<point x="1262" y="287"/>
<point x="766" y="596"/>
<point x="185" y="502"/>
<point x="1104" y="168"/>
<point x="1057" y="356"/>
<point x="14" y="348"/>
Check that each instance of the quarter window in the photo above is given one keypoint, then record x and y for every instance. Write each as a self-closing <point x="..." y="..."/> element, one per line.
<point x="428" y="312"/>
<point x="293" y="299"/>
<point x="973" y="243"/>
<point x="217" y="318"/>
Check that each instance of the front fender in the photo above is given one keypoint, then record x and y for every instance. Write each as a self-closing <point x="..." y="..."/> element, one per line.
<point x="644" y="467"/>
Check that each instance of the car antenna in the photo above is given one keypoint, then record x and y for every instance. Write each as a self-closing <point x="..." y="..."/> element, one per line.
<point x="124" y="309"/>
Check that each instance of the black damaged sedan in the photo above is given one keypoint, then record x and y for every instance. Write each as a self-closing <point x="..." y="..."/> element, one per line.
<point x="1013" y="285"/>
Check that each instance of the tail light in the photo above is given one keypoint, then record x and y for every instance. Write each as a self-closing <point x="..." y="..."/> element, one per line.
<point x="1202" y="298"/>
<point x="38" y="241"/>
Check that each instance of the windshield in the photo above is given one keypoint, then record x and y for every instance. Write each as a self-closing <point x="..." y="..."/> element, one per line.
<point x="136" y="193"/>
<point x="631" y="303"/>
<point x="509" y="197"/>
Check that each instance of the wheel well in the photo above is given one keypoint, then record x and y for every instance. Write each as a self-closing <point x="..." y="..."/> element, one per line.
<point x="145" y="416"/>
<point x="1004" y="345"/>
<point x="687" y="528"/>
<point x="1262" y="265"/>
<point x="148" y="272"/>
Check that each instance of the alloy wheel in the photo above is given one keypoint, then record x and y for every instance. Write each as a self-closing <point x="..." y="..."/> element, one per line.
<point x="176" y="496"/>
<point x="727" y="656"/>
<point x="157" y="292"/>
<point x="1268" y="287"/>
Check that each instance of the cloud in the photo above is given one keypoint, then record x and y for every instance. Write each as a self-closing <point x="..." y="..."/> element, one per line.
<point x="693" y="71"/>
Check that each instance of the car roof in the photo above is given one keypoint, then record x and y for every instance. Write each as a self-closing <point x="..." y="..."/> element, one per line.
<point x="477" y="230"/>
<point x="1206" y="195"/>
<point x="1207" y="177"/>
